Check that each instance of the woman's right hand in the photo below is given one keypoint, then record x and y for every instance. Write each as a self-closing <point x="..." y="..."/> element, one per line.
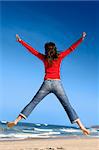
<point x="18" y="38"/>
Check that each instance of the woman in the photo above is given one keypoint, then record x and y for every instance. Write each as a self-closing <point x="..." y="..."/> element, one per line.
<point x="52" y="83"/>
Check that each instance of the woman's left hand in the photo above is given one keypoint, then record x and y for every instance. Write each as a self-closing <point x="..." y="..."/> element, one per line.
<point x="84" y="35"/>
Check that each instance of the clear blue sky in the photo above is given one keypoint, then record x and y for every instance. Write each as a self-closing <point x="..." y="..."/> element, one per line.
<point x="21" y="73"/>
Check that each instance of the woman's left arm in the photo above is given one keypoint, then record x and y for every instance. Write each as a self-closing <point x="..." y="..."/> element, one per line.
<point x="73" y="46"/>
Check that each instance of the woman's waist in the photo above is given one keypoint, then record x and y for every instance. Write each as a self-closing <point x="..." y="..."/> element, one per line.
<point x="52" y="79"/>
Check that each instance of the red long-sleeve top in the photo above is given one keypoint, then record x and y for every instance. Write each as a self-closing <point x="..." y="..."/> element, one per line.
<point x="53" y="71"/>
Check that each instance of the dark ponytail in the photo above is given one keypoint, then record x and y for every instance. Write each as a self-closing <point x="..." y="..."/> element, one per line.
<point x="51" y="53"/>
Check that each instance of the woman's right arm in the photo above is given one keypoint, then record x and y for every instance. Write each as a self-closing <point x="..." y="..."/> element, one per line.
<point x="32" y="50"/>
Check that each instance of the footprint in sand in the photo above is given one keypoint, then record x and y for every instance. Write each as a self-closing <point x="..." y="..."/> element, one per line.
<point x="50" y="148"/>
<point x="60" y="148"/>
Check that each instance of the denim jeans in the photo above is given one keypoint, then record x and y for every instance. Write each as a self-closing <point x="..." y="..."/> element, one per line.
<point x="51" y="86"/>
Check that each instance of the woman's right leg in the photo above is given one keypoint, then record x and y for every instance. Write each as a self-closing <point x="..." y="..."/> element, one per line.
<point x="13" y="123"/>
<point x="42" y="92"/>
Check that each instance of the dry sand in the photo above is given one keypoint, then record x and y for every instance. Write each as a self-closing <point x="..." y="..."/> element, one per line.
<point x="51" y="144"/>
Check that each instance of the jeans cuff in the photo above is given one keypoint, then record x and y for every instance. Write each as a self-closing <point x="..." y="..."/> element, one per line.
<point x="23" y="115"/>
<point x="75" y="120"/>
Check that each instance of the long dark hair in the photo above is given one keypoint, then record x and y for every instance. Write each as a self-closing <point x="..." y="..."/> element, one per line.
<point x="51" y="52"/>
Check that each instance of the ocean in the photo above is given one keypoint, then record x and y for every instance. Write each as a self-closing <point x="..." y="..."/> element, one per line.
<point x="30" y="130"/>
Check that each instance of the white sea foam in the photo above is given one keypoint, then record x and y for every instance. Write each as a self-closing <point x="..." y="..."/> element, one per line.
<point x="23" y="135"/>
<point x="46" y="124"/>
<point x="38" y="124"/>
<point x="28" y="131"/>
<point x="50" y="133"/>
<point x="70" y="130"/>
<point x="3" y="121"/>
<point x="44" y="130"/>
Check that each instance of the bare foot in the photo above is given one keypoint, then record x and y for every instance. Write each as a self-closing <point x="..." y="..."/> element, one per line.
<point x="11" y="124"/>
<point x="85" y="131"/>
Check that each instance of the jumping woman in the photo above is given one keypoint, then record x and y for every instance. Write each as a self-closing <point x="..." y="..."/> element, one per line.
<point x="52" y="83"/>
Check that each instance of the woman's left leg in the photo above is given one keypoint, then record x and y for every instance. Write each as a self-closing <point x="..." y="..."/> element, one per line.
<point x="58" y="90"/>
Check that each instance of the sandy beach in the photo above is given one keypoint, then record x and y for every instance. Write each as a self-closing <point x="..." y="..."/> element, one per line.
<point x="52" y="144"/>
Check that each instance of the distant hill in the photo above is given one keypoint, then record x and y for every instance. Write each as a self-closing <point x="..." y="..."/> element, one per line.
<point x="95" y="126"/>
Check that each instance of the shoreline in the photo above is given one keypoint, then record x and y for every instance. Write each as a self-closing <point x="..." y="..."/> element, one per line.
<point x="49" y="138"/>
